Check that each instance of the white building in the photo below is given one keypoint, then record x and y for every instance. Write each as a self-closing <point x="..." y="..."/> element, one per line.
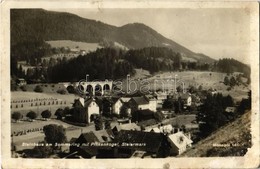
<point x="117" y="106"/>
<point x="21" y="82"/>
<point x="91" y="108"/>
<point x="179" y="143"/>
<point x="152" y="102"/>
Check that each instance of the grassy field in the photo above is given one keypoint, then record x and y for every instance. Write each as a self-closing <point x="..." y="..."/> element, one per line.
<point x="37" y="136"/>
<point x="46" y="87"/>
<point x="24" y="102"/>
<point x="166" y="81"/>
<point x="73" y="45"/>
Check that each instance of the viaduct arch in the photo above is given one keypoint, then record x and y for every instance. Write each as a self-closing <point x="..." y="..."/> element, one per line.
<point x="93" y="86"/>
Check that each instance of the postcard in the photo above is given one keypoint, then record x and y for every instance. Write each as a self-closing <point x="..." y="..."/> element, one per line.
<point x="129" y="84"/>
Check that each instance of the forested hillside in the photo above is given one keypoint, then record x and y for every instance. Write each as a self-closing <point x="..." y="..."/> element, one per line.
<point x="37" y="25"/>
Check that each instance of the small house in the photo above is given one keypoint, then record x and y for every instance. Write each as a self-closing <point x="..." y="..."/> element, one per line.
<point x="179" y="143"/>
<point x="117" y="105"/>
<point x="21" y="82"/>
<point x="144" y="102"/>
<point x="87" y="109"/>
<point x="92" y="108"/>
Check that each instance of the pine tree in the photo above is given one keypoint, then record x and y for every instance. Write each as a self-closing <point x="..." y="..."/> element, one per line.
<point x="211" y="115"/>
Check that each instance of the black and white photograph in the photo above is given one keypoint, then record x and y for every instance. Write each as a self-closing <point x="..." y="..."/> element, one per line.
<point x="134" y="83"/>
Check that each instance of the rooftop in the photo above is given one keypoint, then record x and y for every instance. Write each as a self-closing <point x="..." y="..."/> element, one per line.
<point x="179" y="139"/>
<point x="140" y="100"/>
<point x="153" y="141"/>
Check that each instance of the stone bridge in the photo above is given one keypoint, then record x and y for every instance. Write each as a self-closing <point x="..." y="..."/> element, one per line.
<point x="91" y="86"/>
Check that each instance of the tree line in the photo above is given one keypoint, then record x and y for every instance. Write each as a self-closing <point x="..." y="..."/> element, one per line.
<point x="212" y="115"/>
<point x="115" y="63"/>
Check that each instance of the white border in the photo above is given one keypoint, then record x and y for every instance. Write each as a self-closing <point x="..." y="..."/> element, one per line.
<point x="250" y="160"/>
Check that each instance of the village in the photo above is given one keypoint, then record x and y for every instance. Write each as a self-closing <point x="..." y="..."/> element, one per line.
<point x="103" y="124"/>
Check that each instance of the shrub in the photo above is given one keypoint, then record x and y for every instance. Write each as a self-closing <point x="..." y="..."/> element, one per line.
<point x="61" y="91"/>
<point x="66" y="111"/>
<point x="59" y="113"/>
<point x="115" y="115"/>
<point x="31" y="115"/>
<point x="54" y="134"/>
<point x="23" y="88"/>
<point x="42" y="151"/>
<point x="46" y="114"/>
<point x="38" y="89"/>
<point x="71" y="89"/>
<point x="16" y="116"/>
<point x="229" y="88"/>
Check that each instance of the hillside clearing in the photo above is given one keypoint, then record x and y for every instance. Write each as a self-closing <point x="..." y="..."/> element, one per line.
<point x="73" y="45"/>
<point x="206" y="79"/>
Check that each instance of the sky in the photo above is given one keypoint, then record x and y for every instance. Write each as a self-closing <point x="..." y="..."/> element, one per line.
<point x="216" y="32"/>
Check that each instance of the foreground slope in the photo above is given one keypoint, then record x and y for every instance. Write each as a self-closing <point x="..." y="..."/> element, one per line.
<point x="230" y="140"/>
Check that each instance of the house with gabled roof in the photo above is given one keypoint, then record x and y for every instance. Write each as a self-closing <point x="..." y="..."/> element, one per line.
<point x="140" y="103"/>
<point x="179" y="143"/>
<point x="153" y="144"/>
<point x="144" y="102"/>
<point x="88" y="108"/>
<point x="92" y="108"/>
<point x="117" y="105"/>
<point x="125" y="99"/>
<point x="128" y="126"/>
<point x="166" y="129"/>
<point x="84" y="141"/>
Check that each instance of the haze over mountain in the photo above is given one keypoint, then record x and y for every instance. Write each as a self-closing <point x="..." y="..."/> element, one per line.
<point x="39" y="24"/>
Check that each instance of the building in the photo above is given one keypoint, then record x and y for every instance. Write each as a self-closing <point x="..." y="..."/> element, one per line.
<point x="125" y="99"/>
<point x="230" y="112"/>
<point x="152" y="102"/>
<point x="143" y="115"/>
<point x="230" y="109"/>
<point x="117" y="105"/>
<point x="86" y="109"/>
<point x="161" y="97"/>
<point x="150" y="143"/>
<point x="179" y="143"/>
<point x="128" y="126"/>
<point x="92" y="108"/>
<point x="166" y="129"/>
<point x="144" y="102"/>
<point x="133" y="144"/>
<point x="82" y="146"/>
<point x="186" y="98"/>
<point x="139" y="103"/>
<point x="21" y="82"/>
<point x="126" y="108"/>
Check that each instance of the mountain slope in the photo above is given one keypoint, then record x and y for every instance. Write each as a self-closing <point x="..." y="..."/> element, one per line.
<point x="39" y="24"/>
<point x="240" y="138"/>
